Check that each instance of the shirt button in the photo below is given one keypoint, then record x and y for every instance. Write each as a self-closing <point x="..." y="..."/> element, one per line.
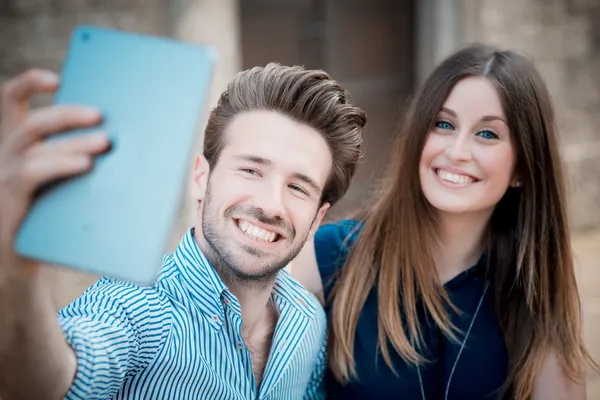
<point x="240" y="345"/>
<point x="226" y="301"/>
<point x="215" y="318"/>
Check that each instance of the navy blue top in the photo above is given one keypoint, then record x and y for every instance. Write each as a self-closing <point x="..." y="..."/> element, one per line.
<point x="482" y="366"/>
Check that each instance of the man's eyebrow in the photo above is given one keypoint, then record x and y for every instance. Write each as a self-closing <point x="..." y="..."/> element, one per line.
<point x="308" y="181"/>
<point x="254" y="159"/>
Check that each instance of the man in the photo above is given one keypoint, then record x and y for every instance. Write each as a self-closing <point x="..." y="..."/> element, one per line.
<point x="222" y="321"/>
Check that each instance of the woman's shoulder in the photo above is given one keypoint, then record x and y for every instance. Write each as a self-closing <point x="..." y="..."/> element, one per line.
<point x="332" y="242"/>
<point x="338" y="234"/>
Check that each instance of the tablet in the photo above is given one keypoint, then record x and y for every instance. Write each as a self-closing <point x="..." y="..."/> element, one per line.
<point x="117" y="220"/>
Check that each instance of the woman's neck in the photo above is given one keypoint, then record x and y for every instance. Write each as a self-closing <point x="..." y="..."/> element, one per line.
<point x="461" y="243"/>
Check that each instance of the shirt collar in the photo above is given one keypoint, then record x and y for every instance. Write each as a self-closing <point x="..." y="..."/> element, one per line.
<point x="290" y="291"/>
<point x="204" y="285"/>
<point x="211" y="296"/>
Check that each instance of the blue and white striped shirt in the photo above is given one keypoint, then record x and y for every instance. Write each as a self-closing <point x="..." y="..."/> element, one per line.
<point x="181" y="338"/>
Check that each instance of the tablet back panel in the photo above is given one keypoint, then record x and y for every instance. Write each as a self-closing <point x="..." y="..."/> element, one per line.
<point x="118" y="219"/>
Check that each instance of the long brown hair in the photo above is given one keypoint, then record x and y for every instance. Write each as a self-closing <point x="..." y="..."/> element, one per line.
<point x="536" y="297"/>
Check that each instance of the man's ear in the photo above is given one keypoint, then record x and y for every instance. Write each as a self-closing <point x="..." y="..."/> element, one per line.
<point x="200" y="177"/>
<point x="318" y="219"/>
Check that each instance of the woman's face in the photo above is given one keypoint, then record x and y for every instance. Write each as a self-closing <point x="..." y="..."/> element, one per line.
<point x="469" y="159"/>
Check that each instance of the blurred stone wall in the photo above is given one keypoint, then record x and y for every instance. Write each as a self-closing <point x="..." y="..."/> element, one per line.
<point x="563" y="38"/>
<point x="36" y="32"/>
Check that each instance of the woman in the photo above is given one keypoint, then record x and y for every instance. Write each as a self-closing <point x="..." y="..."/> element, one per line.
<point x="457" y="281"/>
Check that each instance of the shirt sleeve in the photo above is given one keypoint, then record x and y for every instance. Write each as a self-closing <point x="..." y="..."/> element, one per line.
<point x="332" y="244"/>
<point x="116" y="329"/>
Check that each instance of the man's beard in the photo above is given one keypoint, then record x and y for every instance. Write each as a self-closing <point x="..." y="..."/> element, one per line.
<point x="225" y="262"/>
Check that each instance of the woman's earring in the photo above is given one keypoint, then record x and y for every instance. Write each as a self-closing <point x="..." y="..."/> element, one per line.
<point x="518" y="184"/>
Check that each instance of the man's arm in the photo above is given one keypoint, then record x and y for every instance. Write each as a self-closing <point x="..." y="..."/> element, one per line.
<point x="112" y="331"/>
<point x="116" y="329"/>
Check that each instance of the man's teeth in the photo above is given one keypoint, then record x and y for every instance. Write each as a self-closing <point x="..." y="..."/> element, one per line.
<point x="454" y="178"/>
<point x="256" y="233"/>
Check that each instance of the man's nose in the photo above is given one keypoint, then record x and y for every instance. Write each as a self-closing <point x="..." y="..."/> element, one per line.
<point x="271" y="202"/>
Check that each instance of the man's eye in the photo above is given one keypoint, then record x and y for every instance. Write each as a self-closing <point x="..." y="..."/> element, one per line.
<point x="250" y="171"/>
<point x="298" y="189"/>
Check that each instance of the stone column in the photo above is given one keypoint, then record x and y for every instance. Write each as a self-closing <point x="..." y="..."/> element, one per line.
<point x="438" y="32"/>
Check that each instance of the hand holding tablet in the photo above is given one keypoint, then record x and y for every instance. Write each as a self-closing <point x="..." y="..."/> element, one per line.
<point x="117" y="219"/>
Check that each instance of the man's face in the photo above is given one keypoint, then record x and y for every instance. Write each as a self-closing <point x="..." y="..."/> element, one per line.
<point x="261" y="200"/>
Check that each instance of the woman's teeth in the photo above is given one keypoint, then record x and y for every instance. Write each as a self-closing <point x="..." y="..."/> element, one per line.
<point x="256" y="233"/>
<point x="454" y="178"/>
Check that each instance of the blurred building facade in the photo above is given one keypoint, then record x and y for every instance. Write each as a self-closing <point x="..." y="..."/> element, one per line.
<point x="379" y="49"/>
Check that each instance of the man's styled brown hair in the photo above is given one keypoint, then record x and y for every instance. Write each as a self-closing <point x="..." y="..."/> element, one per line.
<point x="310" y="97"/>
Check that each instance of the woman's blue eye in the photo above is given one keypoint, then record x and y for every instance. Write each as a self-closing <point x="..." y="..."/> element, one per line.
<point x="249" y="171"/>
<point x="443" y="124"/>
<point x="488" y="134"/>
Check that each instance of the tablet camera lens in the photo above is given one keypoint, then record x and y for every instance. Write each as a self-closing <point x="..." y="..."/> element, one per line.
<point x="85" y="37"/>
